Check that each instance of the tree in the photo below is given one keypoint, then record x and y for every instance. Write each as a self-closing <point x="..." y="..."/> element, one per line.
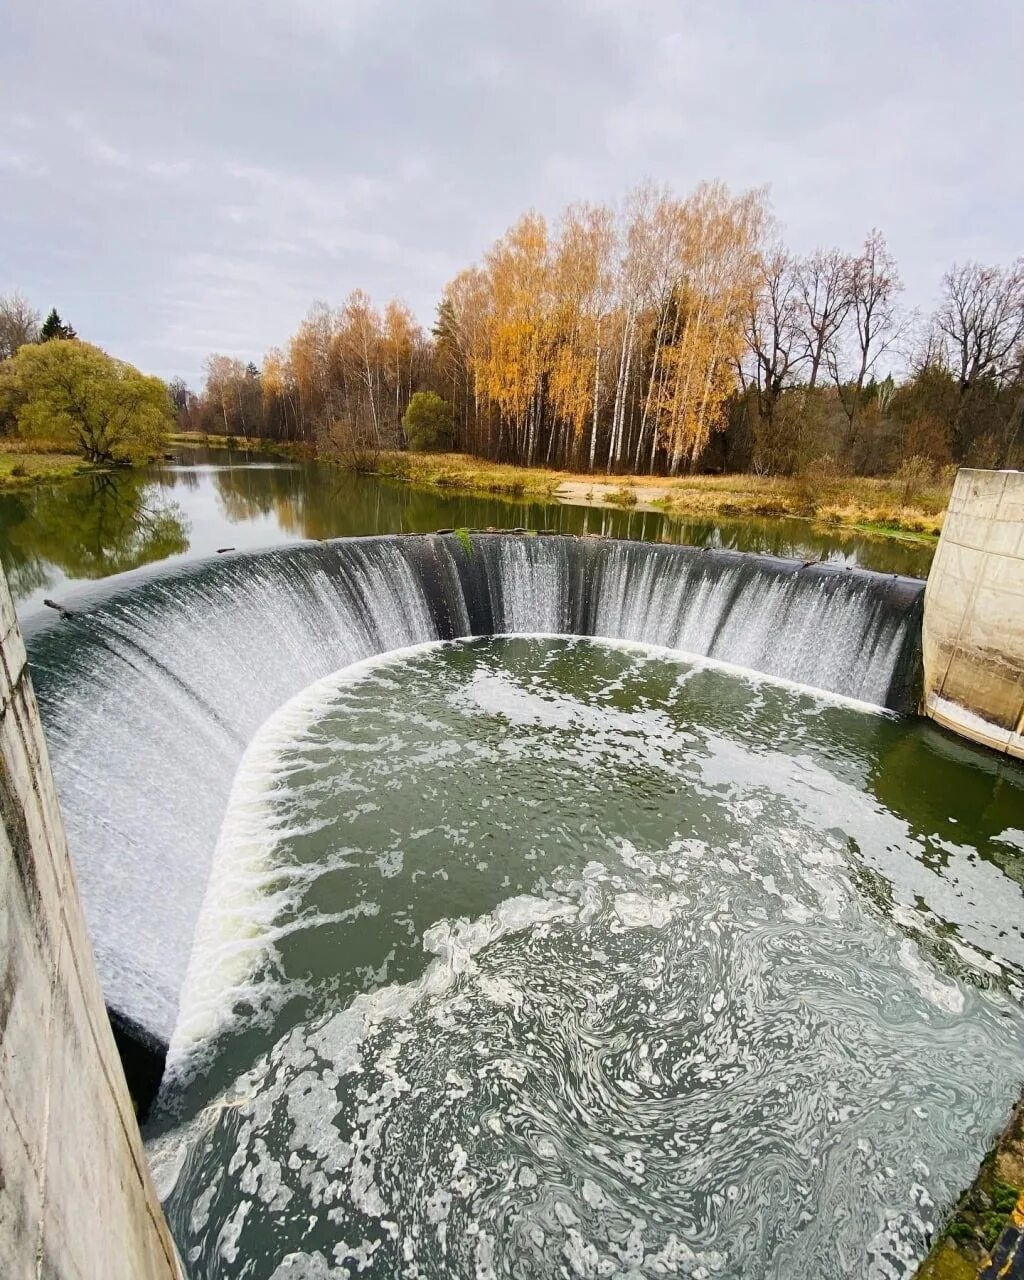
<point x="824" y="281"/>
<point x="77" y="395"/>
<point x="774" y="330"/>
<point x="19" y="324"/>
<point x="873" y="286"/>
<point x="181" y="396"/>
<point x="428" y="423"/>
<point x="982" y="321"/>
<point x="54" y="328"/>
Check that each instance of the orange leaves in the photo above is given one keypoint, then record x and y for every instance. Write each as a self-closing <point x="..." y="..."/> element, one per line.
<point x="620" y="325"/>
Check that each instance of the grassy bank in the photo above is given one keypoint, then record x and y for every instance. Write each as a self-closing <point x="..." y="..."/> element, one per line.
<point x="24" y="463"/>
<point x="882" y="506"/>
<point x="886" y="507"/>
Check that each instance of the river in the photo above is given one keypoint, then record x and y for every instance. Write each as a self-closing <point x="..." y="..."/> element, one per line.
<point x="54" y="537"/>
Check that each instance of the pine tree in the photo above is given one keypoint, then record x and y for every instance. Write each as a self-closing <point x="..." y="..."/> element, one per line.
<point x="54" y="327"/>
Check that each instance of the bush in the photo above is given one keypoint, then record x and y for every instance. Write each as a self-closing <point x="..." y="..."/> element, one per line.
<point x="819" y="481"/>
<point x="429" y="426"/>
<point x="913" y="476"/>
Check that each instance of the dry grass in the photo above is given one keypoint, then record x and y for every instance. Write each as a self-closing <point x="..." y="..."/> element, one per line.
<point x="882" y="505"/>
<point x="895" y="506"/>
<point x="879" y="504"/>
<point x="470" y="475"/>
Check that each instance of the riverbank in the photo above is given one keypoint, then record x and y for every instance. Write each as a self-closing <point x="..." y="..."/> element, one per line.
<point x="24" y="463"/>
<point x="886" y="507"/>
<point x="881" y="506"/>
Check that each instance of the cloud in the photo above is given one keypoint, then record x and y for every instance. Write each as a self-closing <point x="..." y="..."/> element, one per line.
<point x="196" y="175"/>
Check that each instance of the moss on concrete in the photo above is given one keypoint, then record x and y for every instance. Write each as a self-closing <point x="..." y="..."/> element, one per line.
<point x="985" y="1229"/>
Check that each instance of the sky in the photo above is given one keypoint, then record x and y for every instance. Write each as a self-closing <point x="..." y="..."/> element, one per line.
<point x="185" y="176"/>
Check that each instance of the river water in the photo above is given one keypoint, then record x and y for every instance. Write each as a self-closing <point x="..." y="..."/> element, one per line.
<point x="523" y="956"/>
<point x="546" y="957"/>
<point x="54" y="537"/>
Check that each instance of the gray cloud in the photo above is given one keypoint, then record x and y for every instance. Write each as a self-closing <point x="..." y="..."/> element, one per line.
<point x="181" y="176"/>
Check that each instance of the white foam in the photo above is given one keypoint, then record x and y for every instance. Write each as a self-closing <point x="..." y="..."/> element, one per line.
<point x="247" y="889"/>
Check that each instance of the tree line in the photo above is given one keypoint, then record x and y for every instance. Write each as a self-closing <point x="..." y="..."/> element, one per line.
<point x="663" y="335"/>
<point x="666" y="335"/>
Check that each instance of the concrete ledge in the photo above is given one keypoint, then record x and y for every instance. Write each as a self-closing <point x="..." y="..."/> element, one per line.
<point x="973" y="632"/>
<point x="76" y="1200"/>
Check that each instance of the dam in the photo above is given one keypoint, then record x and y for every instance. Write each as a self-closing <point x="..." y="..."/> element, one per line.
<point x="734" y="867"/>
<point x="156" y="691"/>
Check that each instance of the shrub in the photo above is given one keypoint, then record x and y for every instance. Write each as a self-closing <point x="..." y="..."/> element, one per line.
<point x="914" y="475"/>
<point x="819" y="481"/>
<point x="429" y="426"/>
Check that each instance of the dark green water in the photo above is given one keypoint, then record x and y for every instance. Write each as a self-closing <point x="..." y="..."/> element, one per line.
<point x="53" y="537"/>
<point x="538" y="957"/>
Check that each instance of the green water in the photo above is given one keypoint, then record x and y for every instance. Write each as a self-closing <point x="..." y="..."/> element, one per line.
<point x="540" y="957"/>
<point x="53" y="537"/>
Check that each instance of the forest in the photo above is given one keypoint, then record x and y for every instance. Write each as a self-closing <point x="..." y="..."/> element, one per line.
<point x="663" y="336"/>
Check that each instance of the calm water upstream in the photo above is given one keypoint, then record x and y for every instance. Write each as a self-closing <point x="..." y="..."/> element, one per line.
<point x="542" y="957"/>
<point x="51" y="538"/>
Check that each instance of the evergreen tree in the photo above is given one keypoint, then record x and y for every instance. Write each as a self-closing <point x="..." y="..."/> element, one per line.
<point x="54" y="327"/>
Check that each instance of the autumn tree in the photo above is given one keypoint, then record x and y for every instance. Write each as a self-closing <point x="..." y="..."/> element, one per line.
<point x="78" y="396"/>
<point x="774" y="333"/>
<point x="458" y="334"/>
<point x="233" y="394"/>
<point x="610" y="339"/>
<point x="824" y="281"/>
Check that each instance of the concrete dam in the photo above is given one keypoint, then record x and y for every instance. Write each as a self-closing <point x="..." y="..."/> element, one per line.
<point x="185" y="707"/>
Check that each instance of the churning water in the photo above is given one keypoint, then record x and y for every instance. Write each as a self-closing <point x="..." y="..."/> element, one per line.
<point x="150" y="693"/>
<point x="544" y="957"/>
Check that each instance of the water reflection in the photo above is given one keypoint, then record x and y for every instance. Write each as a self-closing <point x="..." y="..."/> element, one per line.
<point x="90" y="528"/>
<point x="51" y="538"/>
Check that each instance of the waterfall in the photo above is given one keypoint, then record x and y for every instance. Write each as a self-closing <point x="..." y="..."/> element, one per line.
<point x="150" y="691"/>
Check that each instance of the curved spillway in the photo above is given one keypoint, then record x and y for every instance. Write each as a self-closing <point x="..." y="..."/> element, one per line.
<point x="151" y="692"/>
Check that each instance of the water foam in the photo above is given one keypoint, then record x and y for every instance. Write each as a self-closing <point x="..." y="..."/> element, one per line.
<point x="151" y="694"/>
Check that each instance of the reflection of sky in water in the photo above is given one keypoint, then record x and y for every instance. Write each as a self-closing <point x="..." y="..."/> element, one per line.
<point x="53" y="537"/>
<point x="539" y="957"/>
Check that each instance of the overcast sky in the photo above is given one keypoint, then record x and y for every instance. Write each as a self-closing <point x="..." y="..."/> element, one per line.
<point x="181" y="176"/>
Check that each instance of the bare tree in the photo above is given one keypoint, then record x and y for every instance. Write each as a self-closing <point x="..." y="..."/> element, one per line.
<point x="824" y="281"/>
<point x="773" y="330"/>
<point x="981" y="318"/>
<point x="874" y="285"/>
<point x="19" y="324"/>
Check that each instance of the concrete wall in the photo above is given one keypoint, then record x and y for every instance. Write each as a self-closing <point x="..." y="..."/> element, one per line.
<point x="973" y="635"/>
<point x="76" y="1201"/>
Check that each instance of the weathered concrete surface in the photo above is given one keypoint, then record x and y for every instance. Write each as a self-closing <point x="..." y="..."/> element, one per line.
<point x="76" y="1201"/>
<point x="973" y="632"/>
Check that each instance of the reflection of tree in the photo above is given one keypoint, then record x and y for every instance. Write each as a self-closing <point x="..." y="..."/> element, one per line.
<point x="88" y="529"/>
<point x="316" y="501"/>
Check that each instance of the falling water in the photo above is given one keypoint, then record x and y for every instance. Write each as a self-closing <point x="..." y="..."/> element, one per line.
<point x="151" y="692"/>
